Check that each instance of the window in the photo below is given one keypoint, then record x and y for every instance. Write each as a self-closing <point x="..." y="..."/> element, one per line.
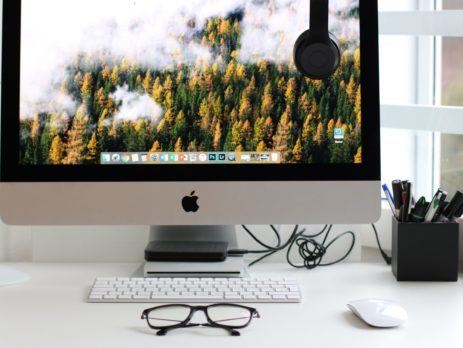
<point x="451" y="152"/>
<point x="421" y="46"/>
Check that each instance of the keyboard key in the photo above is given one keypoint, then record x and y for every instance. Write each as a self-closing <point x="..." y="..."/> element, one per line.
<point x="264" y="297"/>
<point x="158" y="296"/>
<point x="95" y="297"/>
<point x="294" y="297"/>
<point x="129" y="293"/>
<point x="187" y="293"/>
<point x="101" y="283"/>
<point x="217" y="293"/>
<point x="201" y="293"/>
<point x="232" y="297"/>
<point x="279" y="297"/>
<point x="125" y="297"/>
<point x="259" y="293"/>
<point x="252" y="289"/>
<point x="208" y="297"/>
<point x="106" y="289"/>
<point x="110" y="297"/>
<point x="141" y="297"/>
<point x="249" y="297"/>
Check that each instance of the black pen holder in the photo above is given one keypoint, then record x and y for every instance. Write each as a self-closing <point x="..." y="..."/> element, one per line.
<point x="425" y="251"/>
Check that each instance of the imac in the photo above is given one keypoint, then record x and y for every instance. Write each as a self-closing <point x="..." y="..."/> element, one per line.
<point x="186" y="113"/>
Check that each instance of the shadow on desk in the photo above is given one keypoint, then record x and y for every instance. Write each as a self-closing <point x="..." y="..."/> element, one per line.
<point x="198" y="331"/>
<point x="353" y="321"/>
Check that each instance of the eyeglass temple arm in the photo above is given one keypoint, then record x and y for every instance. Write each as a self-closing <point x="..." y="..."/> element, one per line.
<point x="232" y="332"/>
<point x="163" y="332"/>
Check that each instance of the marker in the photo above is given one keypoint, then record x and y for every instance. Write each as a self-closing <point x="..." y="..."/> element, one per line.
<point x="407" y="202"/>
<point x="397" y="191"/>
<point x="433" y="211"/>
<point x="390" y="200"/>
<point x="419" y="210"/>
<point x="452" y="208"/>
<point x="459" y="212"/>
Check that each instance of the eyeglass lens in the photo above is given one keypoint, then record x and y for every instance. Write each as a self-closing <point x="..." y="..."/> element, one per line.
<point x="229" y="315"/>
<point x="168" y="316"/>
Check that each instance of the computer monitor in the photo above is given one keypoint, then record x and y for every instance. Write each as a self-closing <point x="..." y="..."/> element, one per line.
<point x="185" y="112"/>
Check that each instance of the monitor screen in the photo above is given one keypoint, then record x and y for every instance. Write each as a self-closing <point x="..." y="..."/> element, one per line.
<point x="192" y="82"/>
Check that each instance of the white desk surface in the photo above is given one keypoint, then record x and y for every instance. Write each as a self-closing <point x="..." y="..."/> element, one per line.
<point x="50" y="311"/>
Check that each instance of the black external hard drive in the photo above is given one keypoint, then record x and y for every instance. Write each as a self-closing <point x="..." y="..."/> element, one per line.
<point x="186" y="251"/>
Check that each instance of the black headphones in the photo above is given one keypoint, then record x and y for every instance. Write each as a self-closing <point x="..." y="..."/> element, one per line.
<point x="316" y="53"/>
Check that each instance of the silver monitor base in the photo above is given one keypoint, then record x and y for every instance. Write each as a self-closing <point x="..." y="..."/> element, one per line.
<point x="232" y="267"/>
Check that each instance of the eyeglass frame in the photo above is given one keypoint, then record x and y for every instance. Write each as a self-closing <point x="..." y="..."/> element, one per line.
<point x="210" y="323"/>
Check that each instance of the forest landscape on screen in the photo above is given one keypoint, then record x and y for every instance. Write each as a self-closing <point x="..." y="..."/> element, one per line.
<point x="183" y="82"/>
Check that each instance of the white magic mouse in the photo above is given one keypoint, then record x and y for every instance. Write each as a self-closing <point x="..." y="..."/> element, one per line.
<point x="379" y="313"/>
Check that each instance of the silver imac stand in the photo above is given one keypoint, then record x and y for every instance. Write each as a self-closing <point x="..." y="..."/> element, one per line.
<point x="231" y="267"/>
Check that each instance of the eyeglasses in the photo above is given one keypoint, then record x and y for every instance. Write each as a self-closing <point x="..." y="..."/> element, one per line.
<point x="230" y="317"/>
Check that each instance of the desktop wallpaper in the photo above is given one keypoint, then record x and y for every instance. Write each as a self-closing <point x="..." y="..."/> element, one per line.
<point x="183" y="76"/>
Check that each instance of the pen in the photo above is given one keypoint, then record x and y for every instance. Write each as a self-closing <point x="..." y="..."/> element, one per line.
<point x="390" y="200"/>
<point x="407" y="202"/>
<point x="397" y="192"/>
<point x="452" y="208"/>
<point x="433" y="211"/>
<point x="419" y="211"/>
<point x="459" y="212"/>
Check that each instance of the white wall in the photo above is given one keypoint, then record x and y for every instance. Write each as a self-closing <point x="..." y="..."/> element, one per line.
<point x="124" y="243"/>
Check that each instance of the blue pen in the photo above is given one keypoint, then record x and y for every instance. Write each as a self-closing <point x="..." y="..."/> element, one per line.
<point x="390" y="200"/>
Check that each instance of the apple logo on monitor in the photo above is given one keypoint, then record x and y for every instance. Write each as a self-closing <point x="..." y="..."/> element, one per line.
<point x="190" y="203"/>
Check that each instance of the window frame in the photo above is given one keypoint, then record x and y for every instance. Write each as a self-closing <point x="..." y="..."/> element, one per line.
<point x="434" y="119"/>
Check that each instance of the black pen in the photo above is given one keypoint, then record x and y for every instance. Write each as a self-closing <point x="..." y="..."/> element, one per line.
<point x="433" y="211"/>
<point x="454" y="205"/>
<point x="459" y="212"/>
<point x="397" y="193"/>
<point x="407" y="202"/>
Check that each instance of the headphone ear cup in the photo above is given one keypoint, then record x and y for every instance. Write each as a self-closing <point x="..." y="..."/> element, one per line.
<point x="337" y="49"/>
<point x="314" y="59"/>
<point x="298" y="46"/>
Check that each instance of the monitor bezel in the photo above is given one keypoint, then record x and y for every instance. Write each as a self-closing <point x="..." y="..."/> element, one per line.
<point x="12" y="171"/>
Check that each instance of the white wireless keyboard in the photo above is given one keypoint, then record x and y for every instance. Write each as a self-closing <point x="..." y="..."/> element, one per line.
<point x="188" y="290"/>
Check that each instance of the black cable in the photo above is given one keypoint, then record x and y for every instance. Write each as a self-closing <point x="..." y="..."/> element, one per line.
<point x="258" y="240"/>
<point x="386" y="257"/>
<point x="278" y="247"/>
<point x="261" y="258"/>
<point x="311" y="251"/>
